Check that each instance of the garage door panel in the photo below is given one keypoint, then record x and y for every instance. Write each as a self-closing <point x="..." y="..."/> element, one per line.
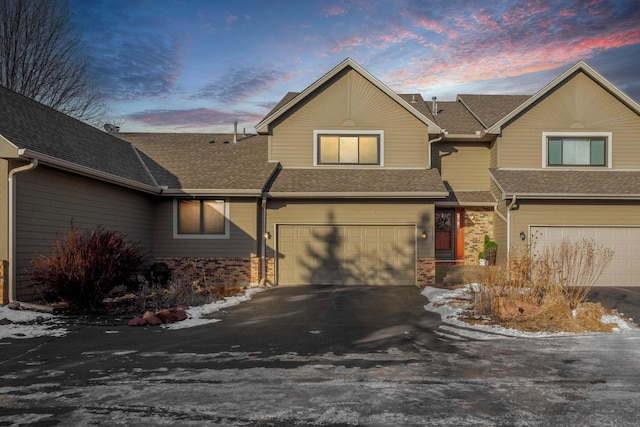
<point x="624" y="269"/>
<point x="324" y="254"/>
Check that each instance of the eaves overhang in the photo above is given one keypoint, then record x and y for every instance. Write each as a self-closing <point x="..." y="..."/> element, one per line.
<point x="48" y="160"/>
<point x="263" y="126"/>
<point x="360" y="195"/>
<point x="200" y="192"/>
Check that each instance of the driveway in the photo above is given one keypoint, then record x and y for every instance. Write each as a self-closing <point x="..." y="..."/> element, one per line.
<point x="319" y="356"/>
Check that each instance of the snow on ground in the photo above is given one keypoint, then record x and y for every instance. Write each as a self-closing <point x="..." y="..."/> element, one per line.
<point x="29" y="324"/>
<point x="451" y="303"/>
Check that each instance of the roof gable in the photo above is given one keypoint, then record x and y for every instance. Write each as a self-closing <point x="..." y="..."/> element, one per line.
<point x="287" y="104"/>
<point x="579" y="67"/>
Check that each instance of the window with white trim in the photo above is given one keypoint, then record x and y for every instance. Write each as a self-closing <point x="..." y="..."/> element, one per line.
<point x="577" y="150"/>
<point x="348" y="147"/>
<point x="201" y="218"/>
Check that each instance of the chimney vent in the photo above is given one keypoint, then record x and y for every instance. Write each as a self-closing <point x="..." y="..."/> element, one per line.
<point x="434" y="108"/>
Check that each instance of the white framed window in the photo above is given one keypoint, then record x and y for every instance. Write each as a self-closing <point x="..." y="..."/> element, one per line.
<point x="348" y="147"/>
<point x="200" y="218"/>
<point x="576" y="149"/>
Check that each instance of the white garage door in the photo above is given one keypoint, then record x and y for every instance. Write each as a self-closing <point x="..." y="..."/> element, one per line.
<point x="346" y="254"/>
<point x="624" y="270"/>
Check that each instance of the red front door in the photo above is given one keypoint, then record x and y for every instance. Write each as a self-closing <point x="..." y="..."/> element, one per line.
<point x="449" y="234"/>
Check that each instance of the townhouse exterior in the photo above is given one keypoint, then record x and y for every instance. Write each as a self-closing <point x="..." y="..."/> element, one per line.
<point x="346" y="182"/>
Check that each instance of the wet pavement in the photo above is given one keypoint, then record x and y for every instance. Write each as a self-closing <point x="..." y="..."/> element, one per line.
<point x="325" y="356"/>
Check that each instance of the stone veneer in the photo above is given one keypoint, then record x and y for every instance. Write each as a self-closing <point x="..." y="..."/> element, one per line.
<point x="474" y="232"/>
<point x="426" y="272"/>
<point x="228" y="271"/>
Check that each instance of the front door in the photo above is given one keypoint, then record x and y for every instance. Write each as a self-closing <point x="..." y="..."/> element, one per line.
<point x="445" y="237"/>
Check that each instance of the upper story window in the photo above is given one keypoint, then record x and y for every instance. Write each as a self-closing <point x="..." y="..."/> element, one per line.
<point x="201" y="218"/>
<point x="577" y="150"/>
<point x="348" y="147"/>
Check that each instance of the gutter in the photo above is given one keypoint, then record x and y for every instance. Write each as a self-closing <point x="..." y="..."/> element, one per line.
<point x="360" y="195"/>
<point x="12" y="225"/>
<point x="429" y="143"/>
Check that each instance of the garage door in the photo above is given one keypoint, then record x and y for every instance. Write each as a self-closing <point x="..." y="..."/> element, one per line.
<point x="624" y="270"/>
<point x="346" y="254"/>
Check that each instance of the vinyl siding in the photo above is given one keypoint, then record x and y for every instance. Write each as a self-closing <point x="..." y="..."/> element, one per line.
<point x="4" y="209"/>
<point x="242" y="233"/>
<point x="49" y="201"/>
<point x="609" y="213"/>
<point x="580" y="105"/>
<point x="354" y="212"/>
<point x="350" y="97"/>
<point x="463" y="164"/>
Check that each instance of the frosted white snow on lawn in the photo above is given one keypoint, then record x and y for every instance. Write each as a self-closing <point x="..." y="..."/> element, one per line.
<point x="28" y="324"/>
<point x="197" y="315"/>
<point x="451" y="303"/>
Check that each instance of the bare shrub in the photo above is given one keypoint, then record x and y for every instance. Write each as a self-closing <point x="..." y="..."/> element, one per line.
<point x="84" y="267"/>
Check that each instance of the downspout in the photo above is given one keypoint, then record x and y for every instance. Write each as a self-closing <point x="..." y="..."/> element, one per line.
<point x="263" y="246"/>
<point x="431" y="141"/>
<point x="509" y="208"/>
<point x="12" y="236"/>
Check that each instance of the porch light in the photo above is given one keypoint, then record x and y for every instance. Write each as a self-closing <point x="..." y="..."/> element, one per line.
<point x="267" y="235"/>
<point x="424" y="234"/>
<point x="522" y="235"/>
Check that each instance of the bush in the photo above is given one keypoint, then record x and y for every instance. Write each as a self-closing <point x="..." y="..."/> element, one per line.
<point x="84" y="267"/>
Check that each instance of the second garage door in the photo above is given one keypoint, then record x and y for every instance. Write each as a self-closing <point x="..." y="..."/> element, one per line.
<point x="346" y="254"/>
<point x="624" y="269"/>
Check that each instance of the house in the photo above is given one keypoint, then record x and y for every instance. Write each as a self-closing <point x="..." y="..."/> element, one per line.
<point x="346" y="182"/>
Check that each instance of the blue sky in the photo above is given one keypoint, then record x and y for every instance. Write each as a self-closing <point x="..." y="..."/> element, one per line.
<point x="198" y="65"/>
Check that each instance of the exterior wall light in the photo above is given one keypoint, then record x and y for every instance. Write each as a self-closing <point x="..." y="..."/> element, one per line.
<point x="267" y="235"/>
<point x="424" y="235"/>
<point x="522" y="235"/>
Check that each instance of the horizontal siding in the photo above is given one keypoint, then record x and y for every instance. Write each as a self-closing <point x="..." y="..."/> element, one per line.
<point x="355" y="212"/>
<point x="242" y="233"/>
<point x="354" y="98"/>
<point x="580" y="105"/>
<point x="48" y="201"/>
<point x="463" y="164"/>
<point x="572" y="213"/>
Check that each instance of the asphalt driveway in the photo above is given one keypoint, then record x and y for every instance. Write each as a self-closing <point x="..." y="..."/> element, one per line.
<point x="326" y="356"/>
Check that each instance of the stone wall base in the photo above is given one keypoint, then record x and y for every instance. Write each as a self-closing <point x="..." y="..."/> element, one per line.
<point x="426" y="272"/>
<point x="219" y="271"/>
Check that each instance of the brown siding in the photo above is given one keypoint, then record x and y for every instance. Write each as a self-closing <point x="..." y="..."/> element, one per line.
<point x="572" y="213"/>
<point x="49" y="200"/>
<point x="242" y="233"/>
<point x="355" y="212"/>
<point x="463" y="164"/>
<point x="354" y="98"/>
<point x="580" y="105"/>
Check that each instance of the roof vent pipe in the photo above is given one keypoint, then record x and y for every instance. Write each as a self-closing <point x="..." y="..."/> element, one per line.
<point x="434" y="108"/>
<point x="235" y="131"/>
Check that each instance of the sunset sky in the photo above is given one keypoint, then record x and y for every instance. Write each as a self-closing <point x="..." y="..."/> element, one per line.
<point x="198" y="65"/>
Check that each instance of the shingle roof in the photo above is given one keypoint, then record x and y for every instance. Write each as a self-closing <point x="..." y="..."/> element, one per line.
<point x="204" y="161"/>
<point x="30" y="125"/>
<point x="417" y="102"/>
<point x="568" y="183"/>
<point x="471" y="198"/>
<point x="369" y="182"/>
<point x="489" y="109"/>
<point x="454" y="118"/>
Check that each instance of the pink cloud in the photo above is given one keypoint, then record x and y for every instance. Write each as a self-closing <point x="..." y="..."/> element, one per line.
<point x="334" y="10"/>
<point x="230" y="19"/>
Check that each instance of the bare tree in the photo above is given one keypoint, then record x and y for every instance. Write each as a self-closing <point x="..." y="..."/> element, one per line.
<point x="41" y="57"/>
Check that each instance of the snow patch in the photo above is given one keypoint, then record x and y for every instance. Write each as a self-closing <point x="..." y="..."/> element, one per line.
<point x="29" y="324"/>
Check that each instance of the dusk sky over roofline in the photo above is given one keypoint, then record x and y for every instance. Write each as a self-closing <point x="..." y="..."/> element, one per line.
<point x="198" y="65"/>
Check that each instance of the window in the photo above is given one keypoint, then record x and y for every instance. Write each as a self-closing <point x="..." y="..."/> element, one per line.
<point x="201" y="218"/>
<point x="348" y="148"/>
<point x="577" y="150"/>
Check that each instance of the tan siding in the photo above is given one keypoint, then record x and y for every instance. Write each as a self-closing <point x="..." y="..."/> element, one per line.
<point x="463" y="164"/>
<point x="567" y="213"/>
<point x="355" y="212"/>
<point x="48" y="201"/>
<point x="500" y="237"/>
<point x="580" y="105"/>
<point x="354" y="98"/>
<point x="493" y="156"/>
<point x="242" y="233"/>
<point x="4" y="210"/>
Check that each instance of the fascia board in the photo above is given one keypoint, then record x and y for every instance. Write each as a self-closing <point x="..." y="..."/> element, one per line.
<point x="257" y="192"/>
<point x="8" y="150"/>
<point x="360" y="195"/>
<point x="263" y="126"/>
<point x="47" y="160"/>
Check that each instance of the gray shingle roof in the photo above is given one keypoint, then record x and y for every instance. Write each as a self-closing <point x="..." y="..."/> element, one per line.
<point x="491" y="108"/>
<point x="193" y="161"/>
<point x="30" y="125"/>
<point x="456" y="119"/>
<point x="568" y="183"/>
<point x="471" y="197"/>
<point x="367" y="181"/>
